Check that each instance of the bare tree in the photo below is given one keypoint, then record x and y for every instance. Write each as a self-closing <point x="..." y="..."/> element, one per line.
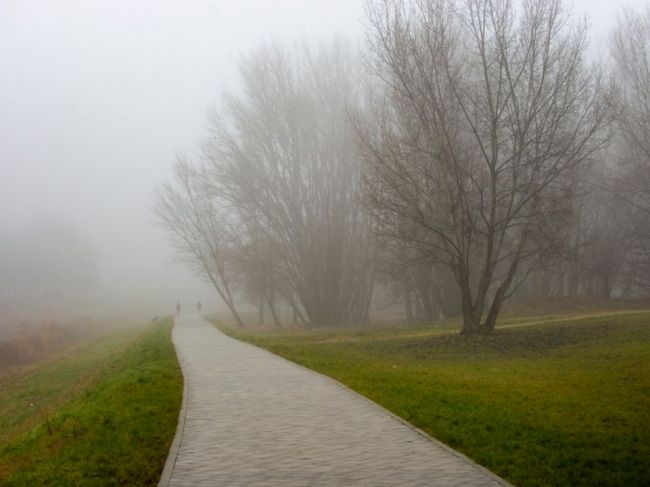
<point x="283" y="155"/>
<point x="200" y="230"/>
<point x="490" y="117"/>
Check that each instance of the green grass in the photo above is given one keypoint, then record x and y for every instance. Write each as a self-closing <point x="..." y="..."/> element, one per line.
<point x="102" y="414"/>
<point x="552" y="402"/>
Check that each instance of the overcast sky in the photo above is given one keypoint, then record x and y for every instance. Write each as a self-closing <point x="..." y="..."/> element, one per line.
<point x="96" y="96"/>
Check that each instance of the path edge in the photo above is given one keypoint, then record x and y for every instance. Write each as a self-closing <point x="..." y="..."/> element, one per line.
<point x="419" y="431"/>
<point x="397" y="418"/>
<point x="170" y="463"/>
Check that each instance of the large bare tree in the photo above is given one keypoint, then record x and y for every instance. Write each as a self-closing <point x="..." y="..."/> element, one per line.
<point x="282" y="154"/>
<point x="490" y="118"/>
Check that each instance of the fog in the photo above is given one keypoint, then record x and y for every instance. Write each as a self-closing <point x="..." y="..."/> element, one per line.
<point x="97" y="97"/>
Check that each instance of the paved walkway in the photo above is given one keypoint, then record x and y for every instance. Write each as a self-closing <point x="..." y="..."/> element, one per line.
<point x="255" y="419"/>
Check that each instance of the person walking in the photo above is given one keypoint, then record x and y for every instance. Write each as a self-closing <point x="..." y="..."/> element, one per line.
<point x="178" y="308"/>
<point x="198" y="306"/>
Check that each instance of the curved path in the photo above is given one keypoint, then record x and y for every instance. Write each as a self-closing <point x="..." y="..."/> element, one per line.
<point x="253" y="418"/>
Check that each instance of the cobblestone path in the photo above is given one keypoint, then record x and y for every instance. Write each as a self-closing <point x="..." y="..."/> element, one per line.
<point x="254" y="419"/>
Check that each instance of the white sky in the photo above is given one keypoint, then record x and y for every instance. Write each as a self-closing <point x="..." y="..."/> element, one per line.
<point x="96" y="96"/>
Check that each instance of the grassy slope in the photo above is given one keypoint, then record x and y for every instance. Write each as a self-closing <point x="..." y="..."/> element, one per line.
<point x="557" y="403"/>
<point x="101" y="414"/>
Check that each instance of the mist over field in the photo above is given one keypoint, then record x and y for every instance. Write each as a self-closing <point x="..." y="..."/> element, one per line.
<point x="96" y="98"/>
<point x="442" y="206"/>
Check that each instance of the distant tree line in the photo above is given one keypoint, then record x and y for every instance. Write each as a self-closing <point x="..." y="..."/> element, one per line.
<point x="48" y="259"/>
<point x="470" y="154"/>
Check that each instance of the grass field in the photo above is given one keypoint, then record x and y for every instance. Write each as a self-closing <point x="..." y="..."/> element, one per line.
<point x="543" y="401"/>
<point x="101" y="414"/>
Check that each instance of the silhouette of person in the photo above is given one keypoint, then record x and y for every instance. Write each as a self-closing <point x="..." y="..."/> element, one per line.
<point x="178" y="308"/>
<point x="198" y="306"/>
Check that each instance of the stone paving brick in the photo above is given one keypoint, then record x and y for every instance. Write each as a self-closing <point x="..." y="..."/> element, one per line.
<point x="255" y="419"/>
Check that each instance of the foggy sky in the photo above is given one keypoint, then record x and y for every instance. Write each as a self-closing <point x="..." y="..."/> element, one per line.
<point x="97" y="96"/>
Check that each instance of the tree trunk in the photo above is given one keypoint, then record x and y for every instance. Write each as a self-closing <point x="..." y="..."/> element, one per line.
<point x="408" y="306"/>
<point x="238" y="321"/>
<point x="491" y="319"/>
<point x="471" y="322"/>
<point x="260" y="319"/>
<point x="269" y="300"/>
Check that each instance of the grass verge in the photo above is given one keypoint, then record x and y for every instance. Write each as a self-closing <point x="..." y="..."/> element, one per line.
<point x="563" y="402"/>
<point x="102" y="414"/>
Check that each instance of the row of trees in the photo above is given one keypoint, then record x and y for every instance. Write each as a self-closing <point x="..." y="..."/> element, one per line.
<point x="274" y="205"/>
<point x="471" y="154"/>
